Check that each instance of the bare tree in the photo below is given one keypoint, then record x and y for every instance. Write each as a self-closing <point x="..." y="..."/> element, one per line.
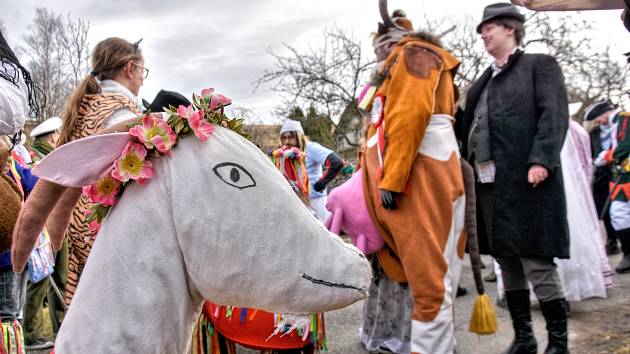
<point x="590" y="72"/>
<point x="46" y="61"/>
<point x="465" y="45"/>
<point x="73" y="38"/>
<point x="57" y="52"/>
<point x="326" y="78"/>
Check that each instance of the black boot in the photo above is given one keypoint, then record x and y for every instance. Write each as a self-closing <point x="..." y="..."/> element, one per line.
<point x="624" y="265"/>
<point x="612" y="247"/>
<point x="461" y="291"/>
<point x="555" y="312"/>
<point x="524" y="341"/>
<point x="624" y="237"/>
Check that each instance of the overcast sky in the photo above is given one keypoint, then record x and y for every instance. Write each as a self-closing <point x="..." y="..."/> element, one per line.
<point x="189" y="45"/>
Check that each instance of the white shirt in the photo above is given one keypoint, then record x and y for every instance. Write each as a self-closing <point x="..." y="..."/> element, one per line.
<point x="13" y="102"/>
<point x="496" y="69"/>
<point x="121" y="114"/>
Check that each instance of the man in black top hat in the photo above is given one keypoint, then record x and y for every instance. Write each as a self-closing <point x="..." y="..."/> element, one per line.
<point x="514" y="125"/>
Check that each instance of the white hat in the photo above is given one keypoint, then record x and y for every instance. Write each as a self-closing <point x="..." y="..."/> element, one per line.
<point x="48" y="126"/>
<point x="290" y="125"/>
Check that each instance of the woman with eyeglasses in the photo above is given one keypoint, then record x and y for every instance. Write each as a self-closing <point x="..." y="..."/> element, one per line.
<point x="105" y="97"/>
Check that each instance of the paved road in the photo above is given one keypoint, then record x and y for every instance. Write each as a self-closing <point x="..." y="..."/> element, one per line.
<point x="343" y="325"/>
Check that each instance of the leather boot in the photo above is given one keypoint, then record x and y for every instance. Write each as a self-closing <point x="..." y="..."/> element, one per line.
<point x="624" y="265"/>
<point x="555" y="313"/>
<point x="612" y="247"/>
<point x="624" y="237"/>
<point x="524" y="341"/>
<point x="611" y="237"/>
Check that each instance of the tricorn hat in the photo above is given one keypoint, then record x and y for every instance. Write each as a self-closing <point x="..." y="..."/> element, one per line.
<point x="500" y="10"/>
<point x="598" y="108"/>
<point x="164" y="99"/>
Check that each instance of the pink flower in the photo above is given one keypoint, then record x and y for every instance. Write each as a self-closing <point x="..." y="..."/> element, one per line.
<point x="197" y="121"/>
<point x="93" y="225"/>
<point x="219" y="101"/>
<point x="132" y="164"/>
<point x="207" y="92"/>
<point x="103" y="191"/>
<point x="154" y="132"/>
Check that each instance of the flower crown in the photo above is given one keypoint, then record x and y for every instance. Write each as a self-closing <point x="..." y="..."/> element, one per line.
<point x="154" y="136"/>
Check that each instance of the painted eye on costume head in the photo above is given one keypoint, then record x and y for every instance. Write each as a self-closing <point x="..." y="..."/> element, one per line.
<point x="234" y="174"/>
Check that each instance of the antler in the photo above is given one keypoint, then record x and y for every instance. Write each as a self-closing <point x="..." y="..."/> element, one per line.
<point x="382" y="6"/>
<point x="451" y="29"/>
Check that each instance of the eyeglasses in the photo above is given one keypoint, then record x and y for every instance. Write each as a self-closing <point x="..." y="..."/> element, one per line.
<point x="145" y="71"/>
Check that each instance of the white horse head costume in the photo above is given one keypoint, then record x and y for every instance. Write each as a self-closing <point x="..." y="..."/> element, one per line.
<point x="218" y="222"/>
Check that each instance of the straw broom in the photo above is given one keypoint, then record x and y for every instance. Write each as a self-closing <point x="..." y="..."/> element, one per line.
<point x="483" y="320"/>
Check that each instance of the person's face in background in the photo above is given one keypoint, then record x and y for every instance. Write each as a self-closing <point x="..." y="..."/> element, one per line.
<point x="497" y="39"/>
<point x="132" y="76"/>
<point x="289" y="139"/>
<point x="52" y="138"/>
<point x="603" y="119"/>
<point x="139" y="73"/>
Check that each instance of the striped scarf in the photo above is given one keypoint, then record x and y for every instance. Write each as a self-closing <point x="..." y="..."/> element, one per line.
<point x="41" y="148"/>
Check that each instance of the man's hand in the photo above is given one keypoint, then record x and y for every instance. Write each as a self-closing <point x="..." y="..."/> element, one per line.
<point x="388" y="199"/>
<point x="537" y="174"/>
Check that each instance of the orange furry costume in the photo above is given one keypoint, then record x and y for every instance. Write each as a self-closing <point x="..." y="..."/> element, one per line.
<point x="412" y="150"/>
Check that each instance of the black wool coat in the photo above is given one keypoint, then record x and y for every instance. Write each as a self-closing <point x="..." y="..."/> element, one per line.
<point x="528" y="120"/>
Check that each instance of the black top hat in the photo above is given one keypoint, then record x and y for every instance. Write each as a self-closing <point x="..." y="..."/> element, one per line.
<point x="165" y="98"/>
<point x="498" y="10"/>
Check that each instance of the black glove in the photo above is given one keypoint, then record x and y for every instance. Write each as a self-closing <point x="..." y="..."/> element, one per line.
<point x="388" y="199"/>
<point x="319" y="186"/>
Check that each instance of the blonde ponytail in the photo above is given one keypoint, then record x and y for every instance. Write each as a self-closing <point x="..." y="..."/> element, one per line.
<point x="88" y="86"/>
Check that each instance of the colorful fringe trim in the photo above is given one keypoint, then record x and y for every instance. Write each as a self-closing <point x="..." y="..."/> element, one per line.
<point x="206" y="337"/>
<point x="12" y="338"/>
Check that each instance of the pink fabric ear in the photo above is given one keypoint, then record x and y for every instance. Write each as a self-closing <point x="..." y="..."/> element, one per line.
<point x="362" y="243"/>
<point x="335" y="225"/>
<point x="351" y="215"/>
<point x="82" y="162"/>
